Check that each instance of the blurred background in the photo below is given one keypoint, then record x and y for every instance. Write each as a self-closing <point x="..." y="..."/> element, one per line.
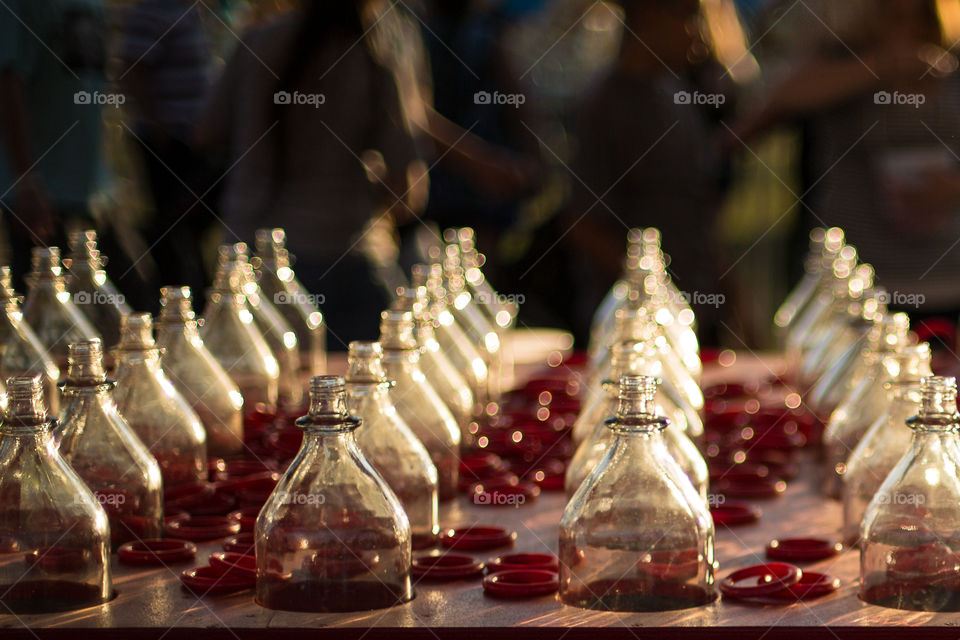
<point x="366" y="127"/>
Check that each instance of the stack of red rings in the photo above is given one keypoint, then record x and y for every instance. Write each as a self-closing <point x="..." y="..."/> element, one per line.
<point x="777" y="583"/>
<point x="228" y="572"/>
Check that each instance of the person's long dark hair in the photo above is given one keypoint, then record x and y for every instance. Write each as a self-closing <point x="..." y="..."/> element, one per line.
<point x="319" y="20"/>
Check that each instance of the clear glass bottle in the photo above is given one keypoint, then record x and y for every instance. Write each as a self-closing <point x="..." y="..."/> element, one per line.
<point x="56" y="537"/>
<point x="885" y="441"/>
<point x="197" y="375"/>
<point x="279" y="284"/>
<point x="277" y="332"/>
<point x="501" y="311"/>
<point x="388" y="443"/>
<point x="910" y="549"/>
<point x="864" y="398"/>
<point x="636" y="535"/>
<point x="90" y="288"/>
<point x="441" y="373"/>
<point x="637" y="324"/>
<point x="454" y="342"/>
<point x="473" y="320"/>
<point x="799" y="298"/>
<point x="49" y="310"/>
<point x="332" y="536"/>
<point x="790" y="326"/>
<point x="21" y="353"/>
<point x="154" y="409"/>
<point x="417" y="402"/>
<point x="232" y="338"/>
<point x="633" y="357"/>
<point x="105" y="452"/>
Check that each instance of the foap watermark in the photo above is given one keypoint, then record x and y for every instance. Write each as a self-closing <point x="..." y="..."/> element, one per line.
<point x="714" y="100"/>
<point x="295" y="497"/>
<point x="901" y="300"/>
<point x="299" y="298"/>
<point x="297" y="98"/>
<point x="901" y="498"/>
<point x="484" y="297"/>
<point x="99" y="98"/>
<point x="104" y="498"/>
<point x="512" y="99"/>
<point x="99" y="297"/>
<point x="716" y="499"/>
<point x="498" y="498"/>
<point x="897" y="98"/>
<point x="702" y="299"/>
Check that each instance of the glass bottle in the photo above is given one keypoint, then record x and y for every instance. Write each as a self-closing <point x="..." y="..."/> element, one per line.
<point x="332" y="536"/>
<point x="279" y="284"/>
<point x="864" y="398"/>
<point x="474" y="322"/>
<point x="105" y="452"/>
<point x="276" y="331"/>
<point x="502" y="311"/>
<point x="388" y="443"/>
<point x="789" y="327"/>
<point x="197" y="375"/>
<point x="49" y="310"/>
<point x="799" y="298"/>
<point x="154" y="409"/>
<point x="417" y="402"/>
<point x="636" y="535"/>
<point x="232" y="338"/>
<point x="885" y="441"/>
<point x="441" y="373"/>
<point x="633" y="357"/>
<point x="91" y="290"/>
<point x="56" y="537"/>
<point x="457" y="346"/>
<point x="637" y="324"/>
<point x="21" y="353"/>
<point x="910" y="549"/>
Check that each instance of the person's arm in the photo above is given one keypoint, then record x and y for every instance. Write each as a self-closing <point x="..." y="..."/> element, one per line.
<point x="30" y="204"/>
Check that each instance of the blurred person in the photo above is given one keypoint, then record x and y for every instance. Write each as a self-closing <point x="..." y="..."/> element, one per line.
<point x="52" y="90"/>
<point x="164" y="70"/>
<point x="318" y="143"/>
<point x="880" y="110"/>
<point x="647" y="154"/>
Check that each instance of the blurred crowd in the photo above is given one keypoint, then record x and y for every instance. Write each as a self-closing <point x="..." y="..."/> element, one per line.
<point x="366" y="127"/>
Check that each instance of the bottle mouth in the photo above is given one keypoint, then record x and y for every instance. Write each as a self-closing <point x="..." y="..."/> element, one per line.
<point x="328" y="406"/>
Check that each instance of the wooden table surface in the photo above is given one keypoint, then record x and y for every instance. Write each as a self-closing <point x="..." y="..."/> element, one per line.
<point x="152" y="604"/>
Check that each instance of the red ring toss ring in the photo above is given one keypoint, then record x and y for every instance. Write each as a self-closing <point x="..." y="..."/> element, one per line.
<point x="446" y="566"/>
<point x="477" y="538"/>
<point x="731" y="514"/>
<point x="524" y="561"/>
<point x="156" y="551"/>
<point x="525" y="583"/>
<point x="803" y="549"/>
<point x="771" y="577"/>
<point x="202" y="528"/>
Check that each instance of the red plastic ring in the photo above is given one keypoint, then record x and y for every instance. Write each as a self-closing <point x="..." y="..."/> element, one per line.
<point x="247" y="517"/>
<point x="525" y="583"/>
<point x="477" y="538"/>
<point x="772" y="577"/>
<point x="202" y="528"/>
<point x="231" y="562"/>
<point x="755" y="488"/>
<point x="524" y="562"/>
<point x="732" y="514"/>
<point x="446" y="566"/>
<point x="803" y="549"/>
<point x="156" y="551"/>
<point x="674" y="564"/>
<point x="58" y="559"/>
<point x="211" y="580"/>
<point x="242" y="543"/>
<point x="811" y="585"/>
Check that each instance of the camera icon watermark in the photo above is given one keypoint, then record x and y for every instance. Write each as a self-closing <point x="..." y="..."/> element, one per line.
<point x="297" y="498"/>
<point x="900" y="299"/>
<point x="500" y="299"/>
<point x="99" y="298"/>
<point x="498" y="498"/>
<point x="497" y="98"/>
<point x="897" y="98"/>
<point x="99" y="98"/>
<point x="714" y="100"/>
<point x="297" y="98"/>
<point x="299" y="298"/>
